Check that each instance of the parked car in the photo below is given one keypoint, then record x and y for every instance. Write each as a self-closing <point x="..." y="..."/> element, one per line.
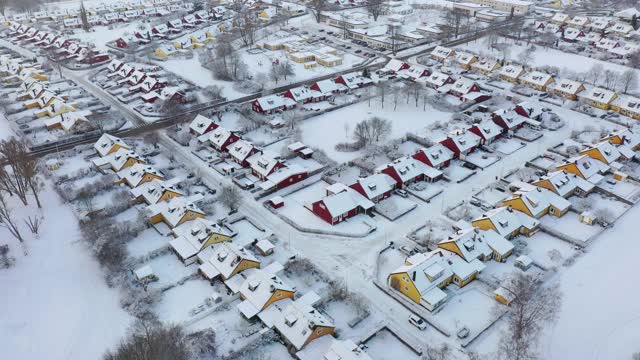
<point x="463" y="333"/>
<point x="358" y="51"/>
<point x="321" y="30"/>
<point x="475" y="202"/>
<point x="417" y="321"/>
<point x="401" y="192"/>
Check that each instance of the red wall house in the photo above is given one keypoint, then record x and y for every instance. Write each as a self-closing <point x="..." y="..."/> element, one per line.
<point x="422" y="157"/>
<point x="451" y="145"/>
<point x="230" y="140"/>
<point x="399" y="183"/>
<point x="292" y="179"/>
<point x="505" y="125"/>
<point x="320" y="209"/>
<point x="358" y="187"/>
<point x="474" y="129"/>
<point x="122" y="43"/>
<point x="211" y="127"/>
<point x="277" y="166"/>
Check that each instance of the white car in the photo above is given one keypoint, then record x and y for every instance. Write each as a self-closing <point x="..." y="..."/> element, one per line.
<point x="417" y="321"/>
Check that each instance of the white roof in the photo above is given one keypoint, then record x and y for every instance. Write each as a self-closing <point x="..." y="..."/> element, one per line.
<point x="465" y="140"/>
<point x="464" y="58"/>
<point x="437" y="154"/>
<point x="274" y="101"/>
<point x="344" y="199"/>
<point x="134" y="174"/>
<point x="506" y="220"/>
<point x="437" y="78"/>
<point x="489" y="129"/>
<point x="240" y="149"/>
<point x="442" y="52"/>
<point x="462" y="86"/>
<point x="117" y="159"/>
<point x="192" y="235"/>
<point x="263" y="162"/>
<point x="345" y="350"/>
<point x="536" y="77"/>
<point x="106" y="142"/>
<point x="219" y="136"/>
<point x="567" y="86"/>
<point x="153" y="190"/>
<point x="408" y="168"/>
<point x="588" y="167"/>
<point x="200" y="124"/>
<point x="376" y="184"/>
<point x="355" y="80"/>
<point x="223" y="259"/>
<point x="609" y="152"/>
<point x="143" y="272"/>
<point x="282" y="174"/>
<point x="511" y="70"/>
<point x="174" y="210"/>
<point x="259" y="287"/>
<point x="485" y="64"/>
<point x="598" y="94"/>
<point x="512" y="118"/>
<point x="394" y="65"/>
<point x="565" y="183"/>
<point x="328" y="86"/>
<point x="538" y="200"/>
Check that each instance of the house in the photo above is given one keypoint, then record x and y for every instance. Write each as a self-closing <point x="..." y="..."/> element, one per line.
<point x="507" y="222"/>
<point x="599" y="24"/>
<point x="262" y="288"/>
<point x="137" y="175"/>
<point x="585" y="167"/>
<point x="509" y="120"/>
<point x="55" y="108"/>
<point x="108" y="144"/>
<point x="571" y="34"/>
<point x="407" y="170"/>
<point x="476" y="244"/>
<point x="125" y="71"/>
<point x="626" y="51"/>
<point x="531" y="110"/>
<point x="329" y="86"/>
<point x="568" y="89"/>
<point x="441" y="53"/>
<point x="462" y="143"/>
<point x="192" y="237"/>
<point x="272" y="103"/>
<point x="438" y="79"/>
<point x="536" y="80"/>
<point x="240" y="151"/>
<point x="301" y="150"/>
<point x="625" y="137"/>
<point x="135" y="78"/>
<point x="263" y="164"/>
<point x="487" y="130"/>
<point x="416" y="72"/>
<point x="221" y="138"/>
<point x="328" y="347"/>
<point x="304" y="95"/>
<point x="598" y="97"/>
<point x="225" y="260"/>
<point x="394" y="66"/>
<point x="119" y="160"/>
<point x="376" y="187"/>
<point x="621" y="29"/>
<point x="627" y="105"/>
<point x="148" y="85"/>
<point x="174" y="212"/>
<point x="155" y="191"/>
<point x="114" y="66"/>
<point x="353" y="80"/>
<point x="437" y="156"/>
<point x="285" y="176"/>
<point x="424" y="275"/>
<point x="166" y="51"/>
<point x="511" y="73"/>
<point x="340" y="204"/>
<point x="604" y="152"/>
<point x="606" y="44"/>
<point x="536" y="201"/>
<point x="297" y="321"/>
<point x="565" y="184"/>
<point x="70" y="122"/>
<point x="465" y="60"/>
<point x="485" y="65"/>
<point x="579" y="22"/>
<point x="201" y="125"/>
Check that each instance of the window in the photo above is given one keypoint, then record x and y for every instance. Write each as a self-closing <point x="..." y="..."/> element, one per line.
<point x="406" y="288"/>
<point x="319" y="331"/>
<point x="456" y="280"/>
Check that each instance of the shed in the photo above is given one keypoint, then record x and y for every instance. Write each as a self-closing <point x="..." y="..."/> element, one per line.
<point x="523" y="262"/>
<point x="276" y="202"/>
<point x="587" y="217"/>
<point x="504" y="296"/>
<point x="265" y="247"/>
<point x="53" y="164"/>
<point x="144" y="273"/>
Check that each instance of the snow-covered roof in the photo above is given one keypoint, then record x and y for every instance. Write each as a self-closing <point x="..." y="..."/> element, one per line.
<point x="537" y="199"/>
<point x="474" y="243"/>
<point x="485" y="64"/>
<point x="536" y="78"/>
<point x="259" y="287"/>
<point x="302" y="93"/>
<point x="621" y="28"/>
<point x="296" y="320"/>
<point x="240" y="150"/>
<point x="407" y="168"/>
<point x="153" y="190"/>
<point x="512" y="71"/>
<point x="191" y="236"/>
<point x="376" y="185"/>
<point x="565" y="183"/>
<point x="506" y="220"/>
<point x="282" y="174"/>
<point x="571" y="33"/>
<point x="607" y="44"/>
<point x="568" y="86"/>
<point x="143" y="272"/>
<point x="355" y="80"/>
<point x="437" y="154"/>
<point x="437" y="78"/>
<point x="462" y="86"/>
<point x="442" y="52"/>
<point x="342" y="199"/>
<point x="394" y="65"/>
<point x="106" y="142"/>
<point x="627" y="14"/>
<point x="117" y="159"/>
<point x="589" y="168"/>
<point x="465" y="140"/>
<point x="465" y="58"/>
<point x="488" y="129"/>
<point x="328" y="86"/>
<point x="416" y="72"/>
<point x="511" y="117"/>
<point x="578" y="21"/>
<point x="68" y="121"/>
<point x="174" y="210"/>
<point x="200" y="124"/>
<point x="134" y="174"/>
<point x="560" y="17"/>
<point x="219" y="136"/>
<point x="626" y="50"/>
<point x="608" y="152"/>
<point x="274" y="101"/>
<point x="598" y="94"/>
<point x="223" y="259"/>
<point x="263" y="163"/>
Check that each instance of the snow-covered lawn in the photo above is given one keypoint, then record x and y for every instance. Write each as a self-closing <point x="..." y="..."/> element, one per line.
<point x="385" y="345"/>
<point x="570" y="225"/>
<point x="624" y="189"/>
<point x="508" y="146"/>
<point x="597" y="202"/>
<point x="58" y="305"/>
<point x="395" y="206"/>
<point x="177" y="303"/>
<point x="456" y="172"/>
<point x="148" y="240"/>
<point x="247" y="233"/>
<point x="169" y="269"/>
<point x="547" y="250"/>
<point x="482" y="159"/>
<point x="470" y="307"/>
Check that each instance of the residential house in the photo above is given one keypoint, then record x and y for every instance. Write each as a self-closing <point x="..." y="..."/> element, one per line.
<point x="604" y="152"/>
<point x="536" y="201"/>
<point x="424" y="276"/>
<point x="174" y="212"/>
<point x="340" y="204"/>
<point x="225" y="260"/>
<point x="240" y="151"/>
<point x="376" y="187"/>
<point x="407" y="170"/>
<point x="304" y="95"/>
<point x="108" y="144"/>
<point x="71" y="122"/>
<point x="328" y="87"/>
<point x="272" y="103"/>
<point x="627" y="105"/>
<point x="192" y="237"/>
<point x="465" y="60"/>
<point x="438" y="79"/>
<point x="441" y="53"/>
<point x="585" y="167"/>
<point x="353" y="80"/>
<point x="598" y="97"/>
<point x="486" y="65"/>
<point x="568" y="89"/>
<point x="462" y="144"/>
<point x="507" y="222"/>
<point x="221" y="138"/>
<point x="437" y="156"/>
<point x="137" y="175"/>
<point x="509" y="120"/>
<point x="560" y="18"/>
<point x="565" y="184"/>
<point x="511" y="72"/>
<point x="263" y="164"/>
<point x="262" y="288"/>
<point x="119" y="160"/>
<point x="625" y="137"/>
<point x="536" y="80"/>
<point x="476" y="244"/>
<point x="201" y="125"/>
<point x="285" y="176"/>
<point x="487" y="130"/>
<point x="155" y="191"/>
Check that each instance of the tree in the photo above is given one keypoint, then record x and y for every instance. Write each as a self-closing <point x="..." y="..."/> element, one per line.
<point x="149" y="339"/>
<point x="246" y="25"/>
<point x="3" y="6"/>
<point x="7" y="221"/>
<point x="453" y="19"/>
<point x="371" y="130"/>
<point x="230" y="197"/>
<point x="26" y="6"/>
<point x="610" y="79"/>
<point x="213" y="91"/>
<point x="594" y="73"/>
<point x="533" y="306"/>
<point x="317" y="7"/>
<point x="627" y="80"/>
<point x="20" y="174"/>
<point x="84" y="18"/>
<point x="375" y="8"/>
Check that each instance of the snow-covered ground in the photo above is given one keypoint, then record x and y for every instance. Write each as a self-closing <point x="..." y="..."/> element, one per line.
<point x="55" y="303"/>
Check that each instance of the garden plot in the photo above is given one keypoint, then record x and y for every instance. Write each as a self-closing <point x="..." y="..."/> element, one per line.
<point x="406" y="118"/>
<point x="571" y="226"/>
<point x="569" y="147"/>
<point x="426" y="191"/>
<point x="464" y="212"/>
<point x="432" y="232"/>
<point x="508" y="146"/>
<point x="341" y="313"/>
<point x="468" y="307"/>
<point x="497" y="272"/>
<point x="389" y="261"/>
<point x="262" y="136"/>
<point x="147" y="241"/>
<point x="207" y="154"/>
<point x="295" y="210"/>
<point x="385" y="345"/>
<point x="177" y="302"/>
<point x="394" y="207"/>
<point x="600" y="204"/>
<point x="527" y="134"/>
<point x="482" y="159"/>
<point x="247" y="233"/>
<point x="547" y="250"/>
<point x="169" y="270"/>
<point x="624" y="189"/>
<point x="493" y="194"/>
<point x="409" y="147"/>
<point x="127" y="215"/>
<point x="456" y="172"/>
<point x="345" y="174"/>
<point x="274" y="349"/>
<point x="546" y="161"/>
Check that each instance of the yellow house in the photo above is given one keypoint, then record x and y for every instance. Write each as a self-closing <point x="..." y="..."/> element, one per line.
<point x="568" y="89"/>
<point x="424" y="275"/>
<point x="45" y="99"/>
<point x="55" y="108"/>
<point x="194" y="236"/>
<point x="537" y="202"/>
<point x="137" y="175"/>
<point x="474" y="243"/>
<point x="507" y="222"/>
<point x="486" y="66"/>
<point x="584" y="167"/>
<point x="224" y="260"/>
<point x="165" y="52"/>
<point x="627" y="105"/>
<point x="565" y="184"/>
<point x="154" y="192"/>
<point x="108" y="144"/>
<point x="119" y="160"/>
<point x="604" y="152"/>
<point x="174" y="212"/>
<point x="465" y="60"/>
<point x="536" y="80"/>
<point x="511" y="73"/>
<point x="598" y="97"/>
<point x="262" y="288"/>
<point x="624" y="137"/>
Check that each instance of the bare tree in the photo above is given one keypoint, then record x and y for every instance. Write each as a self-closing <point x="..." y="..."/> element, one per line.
<point x="594" y="74"/>
<point x="371" y="130"/>
<point x="628" y="80"/>
<point x="14" y="153"/>
<point x="7" y="221"/>
<point x="610" y="79"/>
<point x="34" y="223"/>
<point x="84" y="18"/>
<point x="442" y="352"/>
<point x="230" y="197"/>
<point x="3" y="6"/>
<point x="6" y="261"/>
<point x="453" y="20"/>
<point x="246" y="25"/>
<point x="213" y="91"/>
<point x="533" y="306"/>
<point x="317" y="7"/>
<point x="375" y="8"/>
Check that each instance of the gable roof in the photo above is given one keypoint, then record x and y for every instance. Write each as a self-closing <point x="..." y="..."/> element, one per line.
<point x="174" y="210"/>
<point x="152" y="191"/>
<point x="506" y="220"/>
<point x="343" y="199"/>
<point x="565" y="183"/>
<point x="134" y="174"/>
<point x="437" y="154"/>
<point x="376" y="185"/>
<point x="223" y="259"/>
<point x="240" y="150"/>
<point x="106" y="142"/>
<point x="259" y="287"/>
<point x="200" y="124"/>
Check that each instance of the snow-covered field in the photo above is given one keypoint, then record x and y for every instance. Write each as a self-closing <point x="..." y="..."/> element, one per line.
<point x="55" y="303"/>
